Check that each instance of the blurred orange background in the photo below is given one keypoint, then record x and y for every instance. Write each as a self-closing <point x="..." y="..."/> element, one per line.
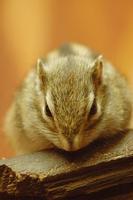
<point x="31" y="28"/>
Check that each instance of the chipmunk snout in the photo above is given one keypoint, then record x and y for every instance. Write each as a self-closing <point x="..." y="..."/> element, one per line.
<point x="69" y="146"/>
<point x="70" y="143"/>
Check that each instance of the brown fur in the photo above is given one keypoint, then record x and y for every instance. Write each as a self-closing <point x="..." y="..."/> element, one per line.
<point x="68" y="80"/>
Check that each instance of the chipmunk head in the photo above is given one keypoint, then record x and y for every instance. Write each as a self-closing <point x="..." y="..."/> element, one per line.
<point x="69" y="87"/>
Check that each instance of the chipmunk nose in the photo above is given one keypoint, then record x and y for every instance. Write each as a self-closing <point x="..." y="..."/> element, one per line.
<point x="69" y="145"/>
<point x="68" y="142"/>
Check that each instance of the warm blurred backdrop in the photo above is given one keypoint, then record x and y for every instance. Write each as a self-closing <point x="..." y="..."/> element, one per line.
<point x="30" y="28"/>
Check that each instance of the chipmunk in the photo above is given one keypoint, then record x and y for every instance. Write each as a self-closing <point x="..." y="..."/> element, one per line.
<point x="69" y="99"/>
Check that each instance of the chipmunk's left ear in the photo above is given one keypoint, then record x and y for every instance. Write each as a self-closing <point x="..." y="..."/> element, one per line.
<point x="41" y="72"/>
<point x="97" y="71"/>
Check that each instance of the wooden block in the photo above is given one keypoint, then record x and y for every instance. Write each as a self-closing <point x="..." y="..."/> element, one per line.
<point x="104" y="170"/>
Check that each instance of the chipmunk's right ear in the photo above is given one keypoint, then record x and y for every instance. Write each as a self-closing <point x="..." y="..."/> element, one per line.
<point x="41" y="72"/>
<point x="97" y="71"/>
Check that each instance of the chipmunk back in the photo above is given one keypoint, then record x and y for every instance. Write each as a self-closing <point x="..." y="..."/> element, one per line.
<point x="69" y="99"/>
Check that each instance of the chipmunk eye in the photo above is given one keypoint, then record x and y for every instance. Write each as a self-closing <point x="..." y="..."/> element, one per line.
<point x="47" y="111"/>
<point x="93" y="109"/>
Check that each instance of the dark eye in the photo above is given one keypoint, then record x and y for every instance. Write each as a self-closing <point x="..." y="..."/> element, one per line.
<point x="93" y="109"/>
<point x="48" y="112"/>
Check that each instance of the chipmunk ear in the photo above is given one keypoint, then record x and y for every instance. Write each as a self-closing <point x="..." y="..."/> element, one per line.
<point x="97" y="71"/>
<point x="41" y="71"/>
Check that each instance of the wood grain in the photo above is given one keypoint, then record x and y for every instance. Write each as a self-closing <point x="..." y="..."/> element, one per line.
<point x="104" y="170"/>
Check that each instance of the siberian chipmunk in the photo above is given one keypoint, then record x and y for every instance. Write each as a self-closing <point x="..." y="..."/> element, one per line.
<point x="72" y="97"/>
